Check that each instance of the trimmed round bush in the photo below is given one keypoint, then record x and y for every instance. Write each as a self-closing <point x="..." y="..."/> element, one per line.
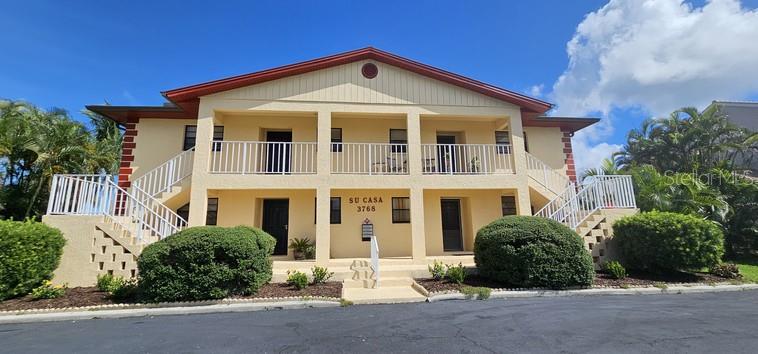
<point x="206" y="262"/>
<point x="662" y="241"/>
<point x="530" y="251"/>
<point x="29" y="254"/>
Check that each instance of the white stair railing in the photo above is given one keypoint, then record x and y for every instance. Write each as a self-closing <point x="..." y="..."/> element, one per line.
<point x="167" y="175"/>
<point x="546" y="175"/>
<point x="143" y="217"/>
<point x="599" y="192"/>
<point x="375" y="259"/>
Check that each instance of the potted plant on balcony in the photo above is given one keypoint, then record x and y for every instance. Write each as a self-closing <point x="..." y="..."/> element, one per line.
<point x="302" y="248"/>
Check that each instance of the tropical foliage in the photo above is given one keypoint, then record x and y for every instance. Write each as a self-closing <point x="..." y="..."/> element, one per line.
<point x="36" y="144"/>
<point x="690" y="163"/>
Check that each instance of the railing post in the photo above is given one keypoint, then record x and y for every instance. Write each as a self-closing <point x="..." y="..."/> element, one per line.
<point x="244" y="157"/>
<point x="370" y="160"/>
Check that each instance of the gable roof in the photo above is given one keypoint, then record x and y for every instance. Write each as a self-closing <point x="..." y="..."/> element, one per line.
<point x="184" y="101"/>
<point x="190" y="94"/>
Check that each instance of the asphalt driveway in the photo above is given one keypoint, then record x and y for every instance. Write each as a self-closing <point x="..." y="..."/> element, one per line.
<point x="714" y="322"/>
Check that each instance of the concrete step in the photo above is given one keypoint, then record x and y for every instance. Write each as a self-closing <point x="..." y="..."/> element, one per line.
<point x="383" y="294"/>
<point x="383" y="282"/>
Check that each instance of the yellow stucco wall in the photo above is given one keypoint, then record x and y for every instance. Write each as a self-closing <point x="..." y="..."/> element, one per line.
<point x="367" y="129"/>
<point x="254" y="127"/>
<point x="466" y="131"/>
<point x="545" y="143"/>
<point x="478" y="208"/>
<point x="157" y="141"/>
<point x="394" y="239"/>
<point x="244" y="207"/>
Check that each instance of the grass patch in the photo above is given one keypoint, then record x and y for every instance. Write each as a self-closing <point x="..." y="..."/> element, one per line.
<point x="345" y="303"/>
<point x="481" y="293"/>
<point x="748" y="269"/>
<point x="661" y="286"/>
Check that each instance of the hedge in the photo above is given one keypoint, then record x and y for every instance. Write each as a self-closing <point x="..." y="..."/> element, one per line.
<point x="29" y="254"/>
<point x="529" y="251"/>
<point x="663" y="241"/>
<point x="206" y="262"/>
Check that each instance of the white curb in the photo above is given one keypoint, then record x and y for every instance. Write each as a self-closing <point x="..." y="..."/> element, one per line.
<point x="505" y="294"/>
<point x="141" y="312"/>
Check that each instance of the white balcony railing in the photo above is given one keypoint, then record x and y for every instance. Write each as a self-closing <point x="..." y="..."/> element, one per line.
<point x="263" y="157"/>
<point x="369" y="158"/>
<point x="466" y="159"/>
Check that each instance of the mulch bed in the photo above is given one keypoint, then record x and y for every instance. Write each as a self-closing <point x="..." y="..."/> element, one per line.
<point x="74" y="297"/>
<point x="601" y="280"/>
<point x="329" y="289"/>
<point x="91" y="296"/>
<point x="648" y="279"/>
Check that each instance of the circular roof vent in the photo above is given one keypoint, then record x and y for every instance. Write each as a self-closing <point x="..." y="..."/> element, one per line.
<point x="369" y="70"/>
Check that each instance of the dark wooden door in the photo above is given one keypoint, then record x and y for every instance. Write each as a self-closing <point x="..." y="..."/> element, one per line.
<point x="446" y="153"/>
<point x="275" y="222"/>
<point x="278" y="153"/>
<point x="452" y="236"/>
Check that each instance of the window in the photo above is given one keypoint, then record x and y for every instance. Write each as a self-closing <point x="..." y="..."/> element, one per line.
<point x="337" y="139"/>
<point x="401" y="210"/>
<point x="212" y="214"/>
<point x="503" y="142"/>
<point x="398" y="136"/>
<point x="190" y="136"/>
<point x="335" y="210"/>
<point x="218" y="135"/>
<point x="508" y="204"/>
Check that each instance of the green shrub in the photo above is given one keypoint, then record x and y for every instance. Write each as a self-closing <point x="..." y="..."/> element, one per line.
<point x="615" y="269"/>
<point x="437" y="270"/>
<point x="726" y="270"/>
<point x="126" y="290"/>
<point x="529" y="251"/>
<point x="456" y="274"/>
<point x="107" y="282"/>
<point x="321" y="274"/>
<point x="662" y="241"/>
<point x="297" y="279"/>
<point x="481" y="293"/>
<point x="29" y="253"/>
<point x="48" y="291"/>
<point x="206" y="262"/>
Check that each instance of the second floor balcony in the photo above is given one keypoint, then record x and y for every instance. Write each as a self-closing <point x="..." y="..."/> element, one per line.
<point x="283" y="158"/>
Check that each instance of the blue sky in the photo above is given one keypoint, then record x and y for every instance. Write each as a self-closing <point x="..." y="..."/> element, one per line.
<point x="68" y="54"/>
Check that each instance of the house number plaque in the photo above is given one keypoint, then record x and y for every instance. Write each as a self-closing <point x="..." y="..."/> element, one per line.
<point x="365" y="204"/>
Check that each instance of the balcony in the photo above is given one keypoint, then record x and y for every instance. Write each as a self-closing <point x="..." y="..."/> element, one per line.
<point x="285" y="158"/>
<point x="369" y="159"/>
<point x="466" y="159"/>
<point x="263" y="157"/>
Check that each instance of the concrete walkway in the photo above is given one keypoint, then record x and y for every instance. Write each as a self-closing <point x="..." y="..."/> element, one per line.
<point x="692" y="323"/>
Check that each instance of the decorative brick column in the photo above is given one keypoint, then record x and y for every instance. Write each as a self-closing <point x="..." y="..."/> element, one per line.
<point x="127" y="154"/>
<point x="569" y="154"/>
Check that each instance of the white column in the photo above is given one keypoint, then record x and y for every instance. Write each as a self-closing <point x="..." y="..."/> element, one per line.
<point x="523" y="201"/>
<point x="413" y="126"/>
<point x="199" y="192"/>
<point x="418" y="235"/>
<point x="323" y="191"/>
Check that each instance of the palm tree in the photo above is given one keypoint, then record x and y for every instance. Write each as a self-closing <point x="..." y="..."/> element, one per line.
<point x="607" y="167"/>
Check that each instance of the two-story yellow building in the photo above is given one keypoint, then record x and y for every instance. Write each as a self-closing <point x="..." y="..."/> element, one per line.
<point x="321" y="148"/>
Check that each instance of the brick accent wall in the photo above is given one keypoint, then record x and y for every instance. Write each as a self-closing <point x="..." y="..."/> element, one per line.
<point x="569" y="154"/>
<point x="127" y="154"/>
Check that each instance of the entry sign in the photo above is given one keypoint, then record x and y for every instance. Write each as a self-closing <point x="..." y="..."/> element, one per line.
<point x="367" y="230"/>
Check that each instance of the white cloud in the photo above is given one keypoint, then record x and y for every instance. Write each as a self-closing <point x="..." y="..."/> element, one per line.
<point x="657" y="55"/>
<point x="536" y="90"/>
